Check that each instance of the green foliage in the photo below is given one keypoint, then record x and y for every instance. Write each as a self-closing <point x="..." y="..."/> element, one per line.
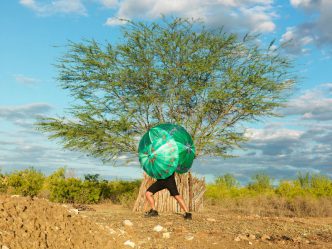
<point x="321" y="186"/>
<point x="305" y="186"/>
<point x="90" y="190"/>
<point x="261" y="183"/>
<point x="3" y="183"/>
<point x="26" y="182"/>
<point x="304" y="179"/>
<point x="173" y="71"/>
<point x="123" y="192"/>
<point x="91" y="177"/>
<point x="227" y="180"/>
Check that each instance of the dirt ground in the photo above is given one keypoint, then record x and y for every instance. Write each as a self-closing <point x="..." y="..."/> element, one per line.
<point x="37" y="223"/>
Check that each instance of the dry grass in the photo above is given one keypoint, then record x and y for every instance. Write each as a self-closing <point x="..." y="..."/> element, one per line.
<point x="277" y="206"/>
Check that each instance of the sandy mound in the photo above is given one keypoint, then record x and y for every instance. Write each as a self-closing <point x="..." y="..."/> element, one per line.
<point x="37" y="223"/>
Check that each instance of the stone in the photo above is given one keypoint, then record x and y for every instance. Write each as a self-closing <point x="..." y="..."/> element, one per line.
<point x="129" y="243"/>
<point x="158" y="228"/>
<point x="240" y="237"/>
<point x="211" y="219"/>
<point x="127" y="223"/>
<point x="250" y="243"/>
<point x="110" y="230"/>
<point x="73" y="211"/>
<point x="265" y="237"/>
<point x="4" y="247"/>
<point x="166" y="235"/>
<point x="189" y="237"/>
<point x="251" y="236"/>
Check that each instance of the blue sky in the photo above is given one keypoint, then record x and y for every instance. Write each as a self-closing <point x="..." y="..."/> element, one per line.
<point x="34" y="34"/>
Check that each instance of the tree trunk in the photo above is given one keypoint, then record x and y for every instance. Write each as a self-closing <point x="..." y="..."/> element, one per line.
<point x="191" y="188"/>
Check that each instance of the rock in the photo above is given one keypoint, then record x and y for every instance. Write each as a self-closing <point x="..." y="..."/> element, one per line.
<point x="251" y="236"/>
<point x="158" y="228"/>
<point x="189" y="237"/>
<point x="4" y="247"/>
<point x="73" y="211"/>
<point x="211" y="219"/>
<point x="110" y="230"/>
<point x="166" y="235"/>
<point x="127" y="223"/>
<point x="237" y="239"/>
<point x="265" y="237"/>
<point x="240" y="237"/>
<point x="12" y="196"/>
<point x="129" y="243"/>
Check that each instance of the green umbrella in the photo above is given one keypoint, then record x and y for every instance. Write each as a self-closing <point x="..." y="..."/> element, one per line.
<point x="164" y="149"/>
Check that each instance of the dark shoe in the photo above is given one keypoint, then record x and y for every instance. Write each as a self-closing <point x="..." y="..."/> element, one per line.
<point x="151" y="213"/>
<point x="187" y="216"/>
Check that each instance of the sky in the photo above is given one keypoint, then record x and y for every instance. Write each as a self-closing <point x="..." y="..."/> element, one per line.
<point x="34" y="34"/>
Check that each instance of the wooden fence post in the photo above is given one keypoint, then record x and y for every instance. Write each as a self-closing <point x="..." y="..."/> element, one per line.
<point x="191" y="188"/>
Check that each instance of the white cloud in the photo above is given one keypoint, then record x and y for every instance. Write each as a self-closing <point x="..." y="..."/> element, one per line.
<point x="55" y="6"/>
<point x="25" y="80"/>
<point x="316" y="30"/>
<point x="24" y="115"/>
<point x="109" y="3"/>
<point x="314" y="104"/>
<point x="272" y="133"/>
<point x="243" y="15"/>
<point x="296" y="41"/>
<point x="305" y="4"/>
<point x="114" y="21"/>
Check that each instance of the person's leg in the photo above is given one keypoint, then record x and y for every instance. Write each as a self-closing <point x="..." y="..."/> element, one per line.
<point x="154" y="188"/>
<point x="180" y="200"/>
<point x="149" y="197"/>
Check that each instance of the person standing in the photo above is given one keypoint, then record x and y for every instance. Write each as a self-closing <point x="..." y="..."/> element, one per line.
<point x="169" y="184"/>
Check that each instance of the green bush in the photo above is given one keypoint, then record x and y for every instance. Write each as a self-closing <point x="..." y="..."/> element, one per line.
<point x="123" y="191"/>
<point x="290" y="189"/>
<point x="90" y="190"/>
<point x="262" y="183"/>
<point x="26" y="182"/>
<point x="72" y="190"/>
<point x="3" y="183"/>
<point x="321" y="186"/>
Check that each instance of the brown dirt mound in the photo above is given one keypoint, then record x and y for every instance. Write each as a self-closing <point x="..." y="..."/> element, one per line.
<point x="38" y="223"/>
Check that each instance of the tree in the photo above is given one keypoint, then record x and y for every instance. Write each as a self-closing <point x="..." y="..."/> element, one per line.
<point x="176" y="71"/>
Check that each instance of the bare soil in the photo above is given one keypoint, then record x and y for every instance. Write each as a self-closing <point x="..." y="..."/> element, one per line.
<point x="38" y="223"/>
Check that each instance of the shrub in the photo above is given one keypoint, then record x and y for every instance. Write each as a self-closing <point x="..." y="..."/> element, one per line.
<point x="122" y="192"/>
<point x="73" y="190"/>
<point x="26" y="182"/>
<point x="261" y="183"/>
<point x="321" y="186"/>
<point x="227" y="180"/>
<point x="3" y="183"/>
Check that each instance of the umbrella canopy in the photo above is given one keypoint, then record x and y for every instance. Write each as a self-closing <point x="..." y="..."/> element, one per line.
<point x="165" y="149"/>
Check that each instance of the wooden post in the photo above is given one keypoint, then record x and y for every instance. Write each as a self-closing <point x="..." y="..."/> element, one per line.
<point x="190" y="191"/>
<point x="191" y="188"/>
